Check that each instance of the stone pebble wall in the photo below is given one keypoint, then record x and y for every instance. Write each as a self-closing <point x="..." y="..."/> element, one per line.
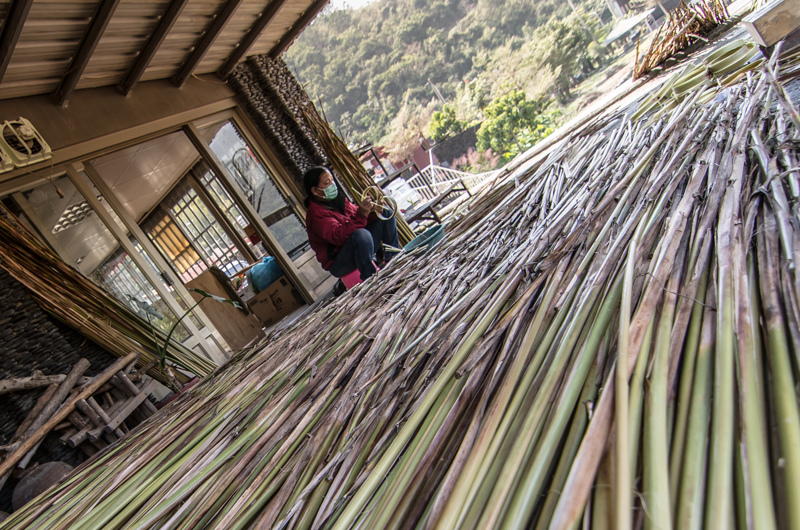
<point x="268" y="91"/>
<point x="31" y="339"/>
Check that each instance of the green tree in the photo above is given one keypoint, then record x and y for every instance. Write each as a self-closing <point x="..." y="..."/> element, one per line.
<point x="444" y="123"/>
<point x="514" y="123"/>
<point x="361" y="63"/>
<point x="565" y="48"/>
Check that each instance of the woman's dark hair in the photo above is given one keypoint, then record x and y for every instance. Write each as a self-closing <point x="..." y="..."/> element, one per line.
<point x="311" y="179"/>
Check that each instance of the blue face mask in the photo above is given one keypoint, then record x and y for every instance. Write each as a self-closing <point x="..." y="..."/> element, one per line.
<point x="331" y="192"/>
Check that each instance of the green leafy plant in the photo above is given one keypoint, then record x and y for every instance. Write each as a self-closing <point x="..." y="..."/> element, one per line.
<point x="444" y="123"/>
<point x="151" y="313"/>
<point x="514" y="123"/>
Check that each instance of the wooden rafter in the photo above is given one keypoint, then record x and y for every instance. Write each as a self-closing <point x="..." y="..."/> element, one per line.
<point x="252" y="36"/>
<point x="298" y="26"/>
<point x="205" y="42"/>
<point x="149" y="51"/>
<point x="89" y="43"/>
<point x="12" y="29"/>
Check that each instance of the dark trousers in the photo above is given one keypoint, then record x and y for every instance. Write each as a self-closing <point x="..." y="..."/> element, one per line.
<point x="359" y="249"/>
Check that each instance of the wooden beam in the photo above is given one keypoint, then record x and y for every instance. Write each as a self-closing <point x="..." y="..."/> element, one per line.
<point x="288" y="37"/>
<point x="156" y="40"/>
<point x="206" y="41"/>
<point x="12" y="29"/>
<point x="87" y="47"/>
<point x="773" y="21"/>
<point x="252" y="36"/>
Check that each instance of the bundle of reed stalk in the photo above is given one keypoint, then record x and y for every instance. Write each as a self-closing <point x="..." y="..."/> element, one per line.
<point x="72" y="298"/>
<point x="686" y="24"/>
<point x="609" y="340"/>
<point x="723" y="68"/>
<point x="350" y="171"/>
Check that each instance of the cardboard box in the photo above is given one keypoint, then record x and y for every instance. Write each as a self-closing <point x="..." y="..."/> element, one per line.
<point x="275" y="302"/>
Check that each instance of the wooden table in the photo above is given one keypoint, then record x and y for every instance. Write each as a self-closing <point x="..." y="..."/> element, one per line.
<point x="427" y="211"/>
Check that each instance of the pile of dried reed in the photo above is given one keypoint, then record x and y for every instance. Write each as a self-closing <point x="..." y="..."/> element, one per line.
<point x="610" y="340"/>
<point x="685" y="25"/>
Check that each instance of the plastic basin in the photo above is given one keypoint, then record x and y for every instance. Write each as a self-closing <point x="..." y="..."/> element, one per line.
<point x="426" y="240"/>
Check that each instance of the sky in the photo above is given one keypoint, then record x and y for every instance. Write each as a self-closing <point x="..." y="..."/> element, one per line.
<point x="338" y="4"/>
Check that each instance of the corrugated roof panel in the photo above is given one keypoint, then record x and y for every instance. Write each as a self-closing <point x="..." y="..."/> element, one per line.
<point x="55" y="29"/>
<point x="28" y="87"/>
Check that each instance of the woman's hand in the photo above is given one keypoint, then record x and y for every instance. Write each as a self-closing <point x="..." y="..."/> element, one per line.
<point x="366" y="206"/>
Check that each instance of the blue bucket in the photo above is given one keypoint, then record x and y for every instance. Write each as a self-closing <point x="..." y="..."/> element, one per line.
<point x="427" y="240"/>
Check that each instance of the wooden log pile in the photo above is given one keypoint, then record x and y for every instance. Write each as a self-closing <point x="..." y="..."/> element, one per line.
<point x="88" y="413"/>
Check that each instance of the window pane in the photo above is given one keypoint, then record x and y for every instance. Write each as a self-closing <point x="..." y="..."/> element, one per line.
<point x="258" y="186"/>
<point x="92" y="247"/>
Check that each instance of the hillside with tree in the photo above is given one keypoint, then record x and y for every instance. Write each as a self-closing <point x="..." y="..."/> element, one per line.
<point x="384" y="72"/>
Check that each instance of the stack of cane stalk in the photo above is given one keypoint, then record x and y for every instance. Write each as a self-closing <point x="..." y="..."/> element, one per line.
<point x="349" y="170"/>
<point x="610" y="340"/>
<point x="685" y="25"/>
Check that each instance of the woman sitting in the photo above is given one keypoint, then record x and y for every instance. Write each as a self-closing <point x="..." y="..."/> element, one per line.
<point x="345" y="237"/>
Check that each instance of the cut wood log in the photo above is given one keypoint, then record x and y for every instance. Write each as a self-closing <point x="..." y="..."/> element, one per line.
<point x="78" y="438"/>
<point x="37" y="380"/>
<point x="84" y="407"/>
<point x="58" y="397"/>
<point x="102" y="415"/>
<point x="26" y="423"/>
<point x="135" y="391"/>
<point x="35" y="411"/>
<point x="63" y="412"/>
<point x="125" y="411"/>
<point x="78" y="420"/>
<point x="72" y="431"/>
<point x="143" y="370"/>
<point x="52" y="406"/>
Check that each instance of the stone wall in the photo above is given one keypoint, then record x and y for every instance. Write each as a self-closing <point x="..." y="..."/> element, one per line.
<point x="268" y="91"/>
<point x="34" y="340"/>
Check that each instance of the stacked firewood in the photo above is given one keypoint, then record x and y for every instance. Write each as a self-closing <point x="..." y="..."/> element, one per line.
<point x="89" y="413"/>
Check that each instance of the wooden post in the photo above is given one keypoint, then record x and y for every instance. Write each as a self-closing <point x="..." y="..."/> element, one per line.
<point x="63" y="412"/>
<point x="35" y="411"/>
<point x="55" y="402"/>
<point x="135" y="391"/>
<point x="125" y="411"/>
<point x="59" y="396"/>
<point x="44" y="399"/>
